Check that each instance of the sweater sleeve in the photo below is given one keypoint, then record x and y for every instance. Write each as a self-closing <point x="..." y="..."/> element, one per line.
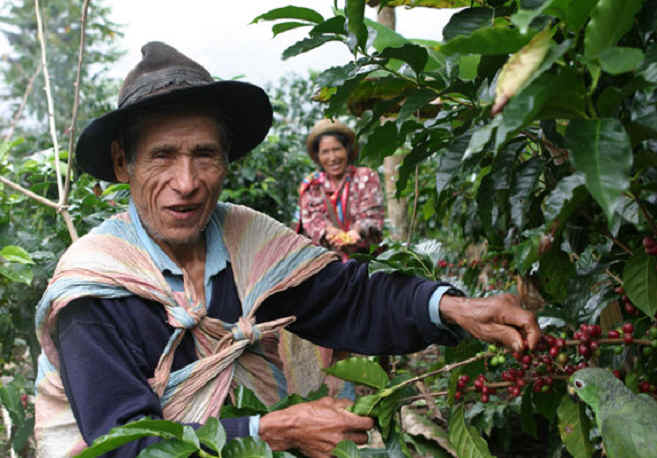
<point x="105" y="370"/>
<point x="344" y="308"/>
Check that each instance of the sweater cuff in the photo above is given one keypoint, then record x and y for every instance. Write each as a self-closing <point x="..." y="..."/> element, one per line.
<point x="254" y="426"/>
<point x="434" y="311"/>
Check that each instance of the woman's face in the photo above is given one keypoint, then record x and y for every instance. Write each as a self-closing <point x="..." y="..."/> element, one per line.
<point x="332" y="157"/>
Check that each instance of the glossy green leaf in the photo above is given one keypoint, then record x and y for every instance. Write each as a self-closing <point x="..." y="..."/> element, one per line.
<point x="17" y="273"/>
<point x="466" y="21"/>
<point x="601" y="150"/>
<point x="285" y="26"/>
<point x="640" y="282"/>
<point x="414" y="55"/>
<point x="555" y="272"/>
<point x="616" y="59"/>
<point x="360" y="370"/>
<point x="306" y="45"/>
<point x="355" y="13"/>
<point x="168" y="448"/>
<point x="212" y="434"/>
<point x="382" y="142"/>
<point x="468" y="66"/>
<point x="525" y="253"/>
<point x="487" y="41"/>
<point x="365" y="405"/>
<point x="333" y="25"/>
<point x="346" y="449"/>
<point x="247" y="447"/>
<point x="574" y="13"/>
<point x="574" y="427"/>
<point x="523" y="190"/>
<point x="480" y="138"/>
<point x="290" y="12"/>
<point x="562" y="194"/>
<point x="120" y="435"/>
<point x="465" y="439"/>
<point x="610" y="20"/>
<point x="17" y="254"/>
<point x="546" y="403"/>
<point x="244" y="398"/>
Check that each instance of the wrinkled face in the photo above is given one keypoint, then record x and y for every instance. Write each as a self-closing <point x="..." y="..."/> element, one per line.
<point x="332" y="157"/>
<point x="176" y="176"/>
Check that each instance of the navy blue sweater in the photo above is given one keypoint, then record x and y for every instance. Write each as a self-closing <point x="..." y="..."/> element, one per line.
<point x="109" y="348"/>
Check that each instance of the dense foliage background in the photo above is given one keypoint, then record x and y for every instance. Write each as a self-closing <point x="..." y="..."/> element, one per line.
<point x="530" y="142"/>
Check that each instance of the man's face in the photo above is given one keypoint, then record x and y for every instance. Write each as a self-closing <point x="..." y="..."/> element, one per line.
<point x="176" y="177"/>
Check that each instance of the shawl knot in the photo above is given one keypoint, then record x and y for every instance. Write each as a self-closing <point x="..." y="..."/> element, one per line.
<point x="244" y="329"/>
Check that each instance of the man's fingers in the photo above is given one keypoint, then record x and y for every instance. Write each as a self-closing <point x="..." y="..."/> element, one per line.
<point x="358" y="438"/>
<point x="525" y="321"/>
<point x="507" y="336"/>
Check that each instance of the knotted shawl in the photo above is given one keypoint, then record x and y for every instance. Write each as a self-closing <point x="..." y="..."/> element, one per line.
<point x="110" y="262"/>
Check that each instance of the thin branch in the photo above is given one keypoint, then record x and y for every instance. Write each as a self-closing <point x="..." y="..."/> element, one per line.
<point x="51" y="112"/>
<point x="76" y="100"/>
<point x="446" y="368"/>
<point x="19" y="111"/>
<point x="29" y="193"/>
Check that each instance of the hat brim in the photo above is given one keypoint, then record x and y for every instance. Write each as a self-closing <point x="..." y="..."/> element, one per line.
<point x="243" y="106"/>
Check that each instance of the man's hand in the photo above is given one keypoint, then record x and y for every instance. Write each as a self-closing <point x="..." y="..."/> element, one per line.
<point x="498" y="319"/>
<point x="315" y="428"/>
<point x="339" y="238"/>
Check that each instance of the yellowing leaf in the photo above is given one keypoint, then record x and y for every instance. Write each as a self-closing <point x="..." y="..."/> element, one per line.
<point x="519" y="68"/>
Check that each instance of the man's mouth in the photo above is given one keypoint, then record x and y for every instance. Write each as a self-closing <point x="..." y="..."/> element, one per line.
<point x="183" y="208"/>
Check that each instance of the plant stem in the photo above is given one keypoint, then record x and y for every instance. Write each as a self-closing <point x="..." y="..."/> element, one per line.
<point x="29" y="193"/>
<point x="19" y="111"/>
<point x="76" y="101"/>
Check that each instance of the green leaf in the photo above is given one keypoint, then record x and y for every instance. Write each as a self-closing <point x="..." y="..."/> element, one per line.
<point x="414" y="55"/>
<point x="306" y="45"/>
<point x="17" y="273"/>
<point x="247" y="447"/>
<point x="528" y="422"/>
<point x="640" y="282"/>
<point x="212" y="434"/>
<point x="574" y="428"/>
<point x="364" y="405"/>
<point x="382" y="142"/>
<point x="487" y="41"/>
<point x="346" y="449"/>
<point x="467" y="21"/>
<point x="562" y="194"/>
<point x="168" y="448"/>
<point x="523" y="190"/>
<point x="525" y="254"/>
<point x="601" y="150"/>
<point x="246" y="399"/>
<point x="465" y="439"/>
<point x="355" y="13"/>
<point x="285" y="26"/>
<point x="15" y="253"/>
<point x="333" y="25"/>
<point x="120" y="435"/>
<point x="360" y="370"/>
<point x="23" y="432"/>
<point x="617" y="59"/>
<point x="546" y="403"/>
<point x="555" y="272"/>
<point x="290" y="12"/>
<point x="610" y="20"/>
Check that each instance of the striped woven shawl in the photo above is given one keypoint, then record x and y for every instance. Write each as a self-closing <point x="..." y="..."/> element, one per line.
<point x="110" y="262"/>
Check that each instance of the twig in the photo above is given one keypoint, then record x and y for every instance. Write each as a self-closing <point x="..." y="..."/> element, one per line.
<point x="31" y="194"/>
<point x="19" y="111"/>
<point x="61" y="208"/>
<point x="51" y="111"/>
<point x="445" y="368"/>
<point x="76" y="101"/>
<point x="6" y="420"/>
<point x="619" y="243"/>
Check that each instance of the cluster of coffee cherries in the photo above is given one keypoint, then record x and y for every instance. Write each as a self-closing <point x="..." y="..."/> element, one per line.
<point x="650" y="245"/>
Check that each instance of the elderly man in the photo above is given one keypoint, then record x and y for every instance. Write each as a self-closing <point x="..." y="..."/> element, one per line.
<point x="161" y="310"/>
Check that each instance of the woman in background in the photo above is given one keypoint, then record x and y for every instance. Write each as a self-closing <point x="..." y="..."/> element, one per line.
<point x="341" y="205"/>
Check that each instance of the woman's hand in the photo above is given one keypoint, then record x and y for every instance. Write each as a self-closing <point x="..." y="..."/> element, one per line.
<point x="341" y="239"/>
<point x="315" y="428"/>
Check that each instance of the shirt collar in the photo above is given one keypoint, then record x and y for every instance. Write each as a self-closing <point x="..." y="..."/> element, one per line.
<point x="216" y="255"/>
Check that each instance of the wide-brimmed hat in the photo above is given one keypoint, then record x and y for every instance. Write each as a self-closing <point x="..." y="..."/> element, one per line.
<point x="329" y="126"/>
<point x="164" y="75"/>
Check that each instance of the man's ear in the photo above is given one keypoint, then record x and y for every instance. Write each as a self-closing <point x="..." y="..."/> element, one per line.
<point x="120" y="163"/>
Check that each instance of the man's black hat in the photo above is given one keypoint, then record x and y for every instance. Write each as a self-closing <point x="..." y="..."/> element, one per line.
<point x="166" y="76"/>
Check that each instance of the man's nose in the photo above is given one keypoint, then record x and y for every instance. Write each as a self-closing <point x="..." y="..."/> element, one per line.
<point x="185" y="176"/>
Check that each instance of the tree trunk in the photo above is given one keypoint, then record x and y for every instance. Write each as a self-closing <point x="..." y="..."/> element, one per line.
<point x="397" y="208"/>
